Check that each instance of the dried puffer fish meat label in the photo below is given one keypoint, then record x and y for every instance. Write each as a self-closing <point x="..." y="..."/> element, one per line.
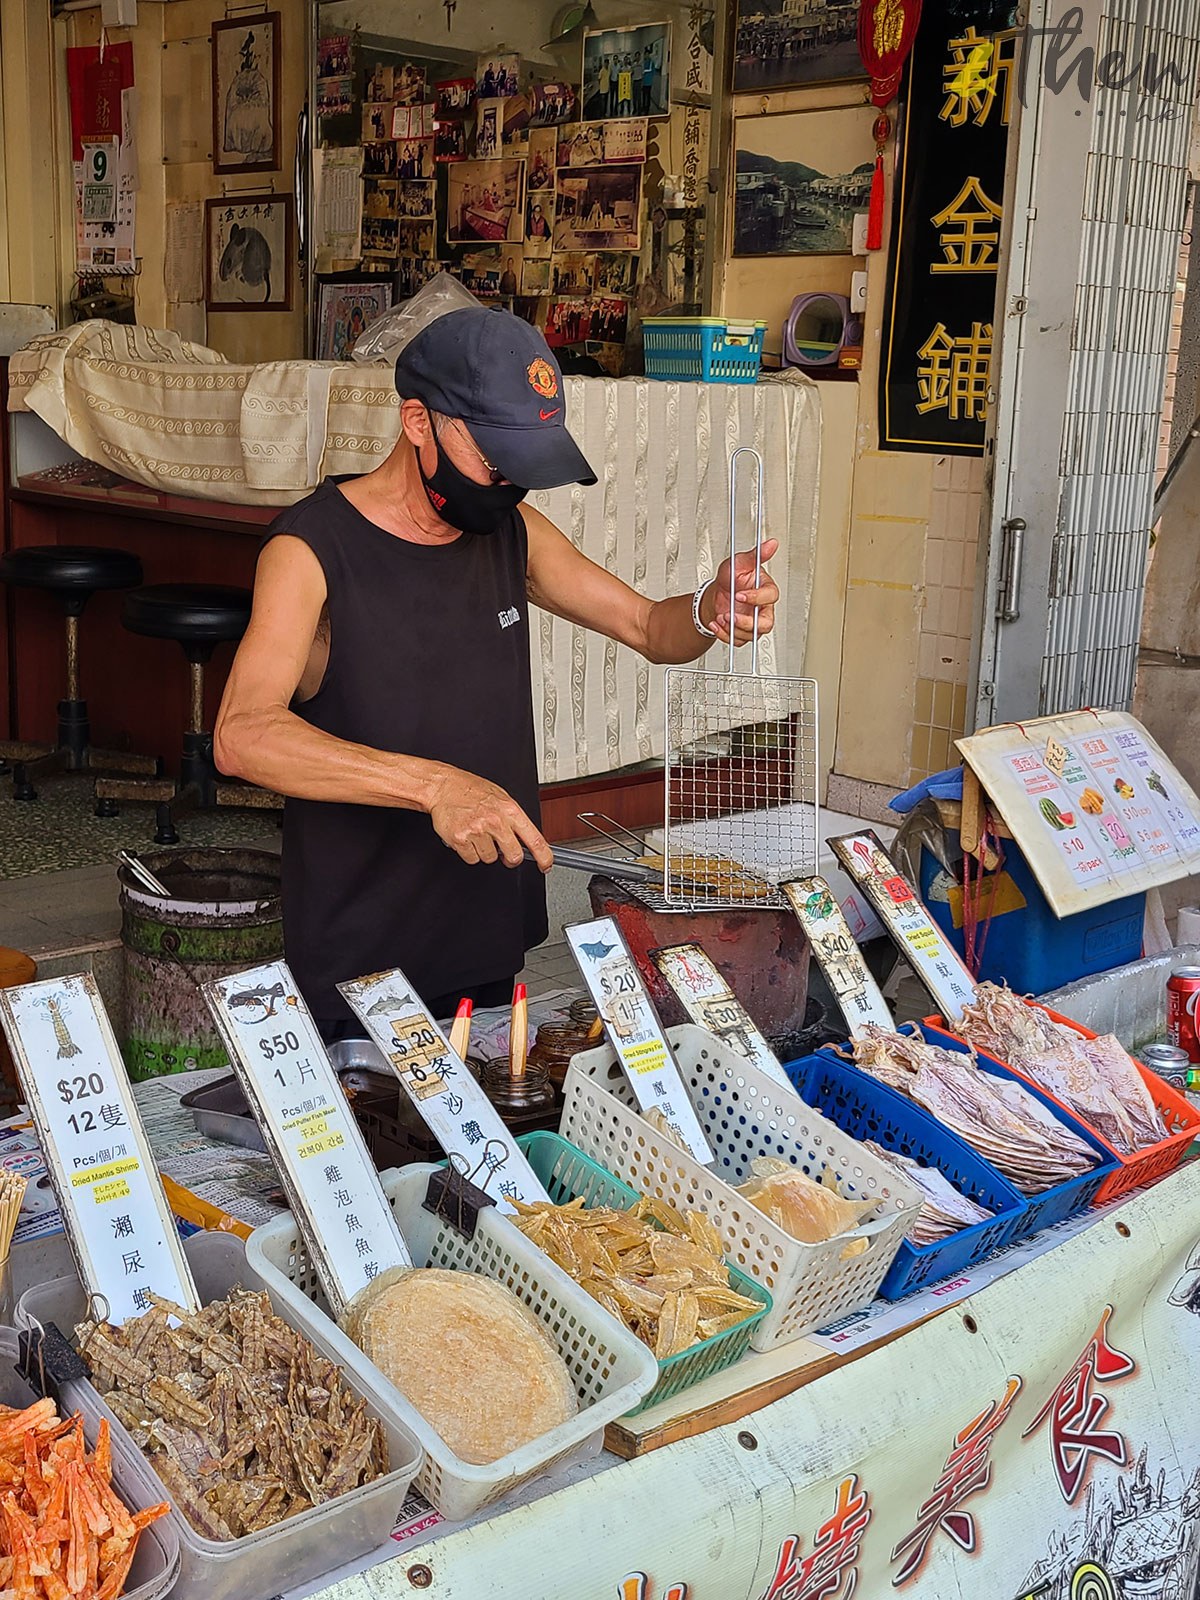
<point x="451" y="1103"/>
<point x="634" y="1030"/>
<point x="309" y="1126"/>
<point x="712" y="1004"/>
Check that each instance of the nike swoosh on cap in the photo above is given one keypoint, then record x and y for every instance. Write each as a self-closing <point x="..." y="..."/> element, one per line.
<point x="546" y="415"/>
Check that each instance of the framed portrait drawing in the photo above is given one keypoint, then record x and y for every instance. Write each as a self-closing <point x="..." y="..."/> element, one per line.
<point x="246" y="54"/>
<point x="249" y="253"/>
<point x="343" y="312"/>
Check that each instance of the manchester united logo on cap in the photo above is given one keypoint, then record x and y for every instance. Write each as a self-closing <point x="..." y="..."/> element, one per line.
<point x="541" y="378"/>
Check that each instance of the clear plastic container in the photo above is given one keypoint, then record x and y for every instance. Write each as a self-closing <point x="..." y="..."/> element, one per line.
<point x="612" y="1369"/>
<point x="292" y="1552"/>
<point x="156" y="1560"/>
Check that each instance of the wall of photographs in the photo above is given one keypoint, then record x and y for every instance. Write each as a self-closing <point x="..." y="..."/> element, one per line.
<point x="540" y="193"/>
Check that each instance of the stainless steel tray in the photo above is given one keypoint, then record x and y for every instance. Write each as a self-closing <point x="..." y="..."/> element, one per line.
<point x="219" y="1109"/>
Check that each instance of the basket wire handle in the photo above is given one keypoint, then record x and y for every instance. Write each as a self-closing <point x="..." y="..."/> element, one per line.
<point x="745" y="450"/>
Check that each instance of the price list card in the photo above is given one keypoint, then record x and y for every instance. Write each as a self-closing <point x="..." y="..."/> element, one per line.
<point x="120" y="1227"/>
<point x="323" y="1162"/>
<point x="712" y="1004"/>
<point x="634" y="1031"/>
<point x="838" y="956"/>
<point x="441" y="1087"/>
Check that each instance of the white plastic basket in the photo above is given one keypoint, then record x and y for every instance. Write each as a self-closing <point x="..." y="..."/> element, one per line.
<point x="745" y="1114"/>
<point x="290" y="1553"/>
<point x="611" y="1368"/>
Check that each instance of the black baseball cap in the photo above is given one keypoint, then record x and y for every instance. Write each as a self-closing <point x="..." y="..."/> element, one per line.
<point x="495" y="373"/>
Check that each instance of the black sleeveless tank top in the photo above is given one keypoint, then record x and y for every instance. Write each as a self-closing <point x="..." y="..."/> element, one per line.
<point x="428" y="656"/>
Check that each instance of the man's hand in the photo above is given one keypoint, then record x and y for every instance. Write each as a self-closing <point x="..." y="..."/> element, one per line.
<point x="479" y="821"/>
<point x="714" y="607"/>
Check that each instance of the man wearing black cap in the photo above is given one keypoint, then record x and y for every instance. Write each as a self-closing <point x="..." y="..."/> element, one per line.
<point x="383" y="683"/>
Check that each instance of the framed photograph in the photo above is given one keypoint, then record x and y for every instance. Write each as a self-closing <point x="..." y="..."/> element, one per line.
<point x="414" y="158"/>
<point x="539" y="224"/>
<point x="453" y="97"/>
<point x="408" y="84"/>
<point x="249" y="253"/>
<point x="485" y="201"/>
<point x="777" y="44"/>
<point x="627" y="72"/>
<point x="614" y="274"/>
<point x="542" y="159"/>
<point x="598" y="144"/>
<point x="489" y="128"/>
<point x="598" y="209"/>
<point x="246" y="55"/>
<point x="799" y="177"/>
<point x="535" y="276"/>
<point x="497" y="75"/>
<point x="551" y="103"/>
<point x="572" y="274"/>
<point x="379" y="159"/>
<point x="416" y="238"/>
<point x="449" y="141"/>
<point x="376" y="121"/>
<point x="343" y="312"/>
<point x="415" y="200"/>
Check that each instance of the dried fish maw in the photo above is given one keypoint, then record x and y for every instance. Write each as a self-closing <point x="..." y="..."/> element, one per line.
<point x="471" y="1358"/>
<point x="809" y="1211"/>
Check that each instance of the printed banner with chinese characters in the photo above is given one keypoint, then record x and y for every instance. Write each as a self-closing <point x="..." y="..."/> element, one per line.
<point x="960" y="93"/>
<point x="1039" y="1439"/>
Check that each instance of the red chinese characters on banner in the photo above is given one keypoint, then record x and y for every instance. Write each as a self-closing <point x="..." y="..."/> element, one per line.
<point x="1075" y="1412"/>
<point x="968" y="1471"/>
<point x="830" y="1571"/>
<point x="636" y="1586"/>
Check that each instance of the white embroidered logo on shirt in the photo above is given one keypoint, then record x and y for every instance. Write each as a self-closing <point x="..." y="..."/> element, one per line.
<point x="507" y="618"/>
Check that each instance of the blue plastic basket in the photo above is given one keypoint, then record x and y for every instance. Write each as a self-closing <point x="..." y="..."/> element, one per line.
<point x="1065" y="1199"/>
<point x="702" y="349"/>
<point x="867" y="1109"/>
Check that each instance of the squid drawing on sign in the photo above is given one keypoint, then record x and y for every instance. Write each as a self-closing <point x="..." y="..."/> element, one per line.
<point x="66" y="1045"/>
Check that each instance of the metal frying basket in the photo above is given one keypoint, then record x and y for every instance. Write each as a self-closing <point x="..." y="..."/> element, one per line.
<point x="741" y="775"/>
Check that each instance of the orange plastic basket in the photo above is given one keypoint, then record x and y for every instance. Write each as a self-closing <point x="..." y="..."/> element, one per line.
<point x="1144" y="1166"/>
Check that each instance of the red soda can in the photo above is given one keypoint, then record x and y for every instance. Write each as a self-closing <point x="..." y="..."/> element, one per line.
<point x="1183" y="990"/>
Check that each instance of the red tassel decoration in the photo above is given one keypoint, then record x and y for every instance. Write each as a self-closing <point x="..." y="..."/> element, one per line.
<point x="875" y="212"/>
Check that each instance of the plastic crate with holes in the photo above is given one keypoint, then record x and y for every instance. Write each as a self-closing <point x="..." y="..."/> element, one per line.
<point x="702" y="349"/>
<point x="867" y="1109"/>
<point x="567" y="1174"/>
<point x="1180" y="1117"/>
<point x="611" y="1368"/>
<point x="745" y="1114"/>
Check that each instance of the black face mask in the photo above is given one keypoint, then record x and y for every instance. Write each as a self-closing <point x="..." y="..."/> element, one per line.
<point x="463" y="503"/>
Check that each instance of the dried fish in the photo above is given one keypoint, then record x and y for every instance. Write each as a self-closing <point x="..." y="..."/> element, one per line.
<point x="997" y="1117"/>
<point x="811" y="1212"/>
<point x="944" y="1211"/>
<point x="661" y="1273"/>
<point x="242" y="1419"/>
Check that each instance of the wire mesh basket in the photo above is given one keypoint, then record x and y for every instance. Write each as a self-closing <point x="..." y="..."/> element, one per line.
<point x="741" y="772"/>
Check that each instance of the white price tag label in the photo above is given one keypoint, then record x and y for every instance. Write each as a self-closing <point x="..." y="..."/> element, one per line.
<point x="111" y="1197"/>
<point x="921" y="941"/>
<point x="838" y="956"/>
<point x="712" y="1004"/>
<point x="633" y="1029"/>
<point x="453" y="1106"/>
<point x="320" y="1153"/>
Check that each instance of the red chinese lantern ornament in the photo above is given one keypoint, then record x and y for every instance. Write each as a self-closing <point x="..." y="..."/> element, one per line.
<point x="886" y="31"/>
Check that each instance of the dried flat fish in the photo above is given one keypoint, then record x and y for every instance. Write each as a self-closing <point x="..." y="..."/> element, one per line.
<point x="245" y="1422"/>
<point x="944" y="1211"/>
<point x="997" y="1117"/>
<point x="1095" y="1078"/>
<point x="661" y="1273"/>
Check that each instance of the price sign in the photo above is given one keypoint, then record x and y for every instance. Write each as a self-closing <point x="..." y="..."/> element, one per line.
<point x="451" y="1103"/>
<point x="838" y="956"/>
<point x="921" y="942"/>
<point x="306" y="1120"/>
<point x="634" y="1031"/>
<point x="712" y="1004"/>
<point x="120" y="1227"/>
<point x="1056" y="756"/>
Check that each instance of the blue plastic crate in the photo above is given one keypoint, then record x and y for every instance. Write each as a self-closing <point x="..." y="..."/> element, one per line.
<point x="702" y="349"/>
<point x="1028" y="947"/>
<point x="867" y="1109"/>
<point x="1065" y="1199"/>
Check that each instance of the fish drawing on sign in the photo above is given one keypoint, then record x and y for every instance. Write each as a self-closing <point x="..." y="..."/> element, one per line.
<point x="66" y="1045"/>
<point x="597" y="950"/>
<point x="389" y="1002"/>
<point x="259" y="1002"/>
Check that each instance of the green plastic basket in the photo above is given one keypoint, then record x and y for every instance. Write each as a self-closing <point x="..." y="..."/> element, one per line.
<point x="567" y="1174"/>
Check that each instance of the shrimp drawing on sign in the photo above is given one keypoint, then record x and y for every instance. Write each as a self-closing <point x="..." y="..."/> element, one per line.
<point x="66" y="1045"/>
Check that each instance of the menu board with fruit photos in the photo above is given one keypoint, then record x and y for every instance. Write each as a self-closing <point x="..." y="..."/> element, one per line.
<point x="1096" y="806"/>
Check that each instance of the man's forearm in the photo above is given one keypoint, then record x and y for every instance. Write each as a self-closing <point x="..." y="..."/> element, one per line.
<point x="280" y="751"/>
<point x="671" y="635"/>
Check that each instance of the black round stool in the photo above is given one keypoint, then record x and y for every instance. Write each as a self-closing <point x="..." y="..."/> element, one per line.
<point x="74" y="573"/>
<point x="198" y="616"/>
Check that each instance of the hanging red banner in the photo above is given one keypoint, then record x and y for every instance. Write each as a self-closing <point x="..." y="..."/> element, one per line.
<point x="886" y="30"/>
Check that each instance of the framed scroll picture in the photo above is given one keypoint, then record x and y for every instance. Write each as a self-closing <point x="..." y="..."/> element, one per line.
<point x="249" y="254"/>
<point x="246" y="54"/>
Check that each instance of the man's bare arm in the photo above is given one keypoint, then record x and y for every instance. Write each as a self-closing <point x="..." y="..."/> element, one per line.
<point x="259" y="738"/>
<point x="564" y="581"/>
